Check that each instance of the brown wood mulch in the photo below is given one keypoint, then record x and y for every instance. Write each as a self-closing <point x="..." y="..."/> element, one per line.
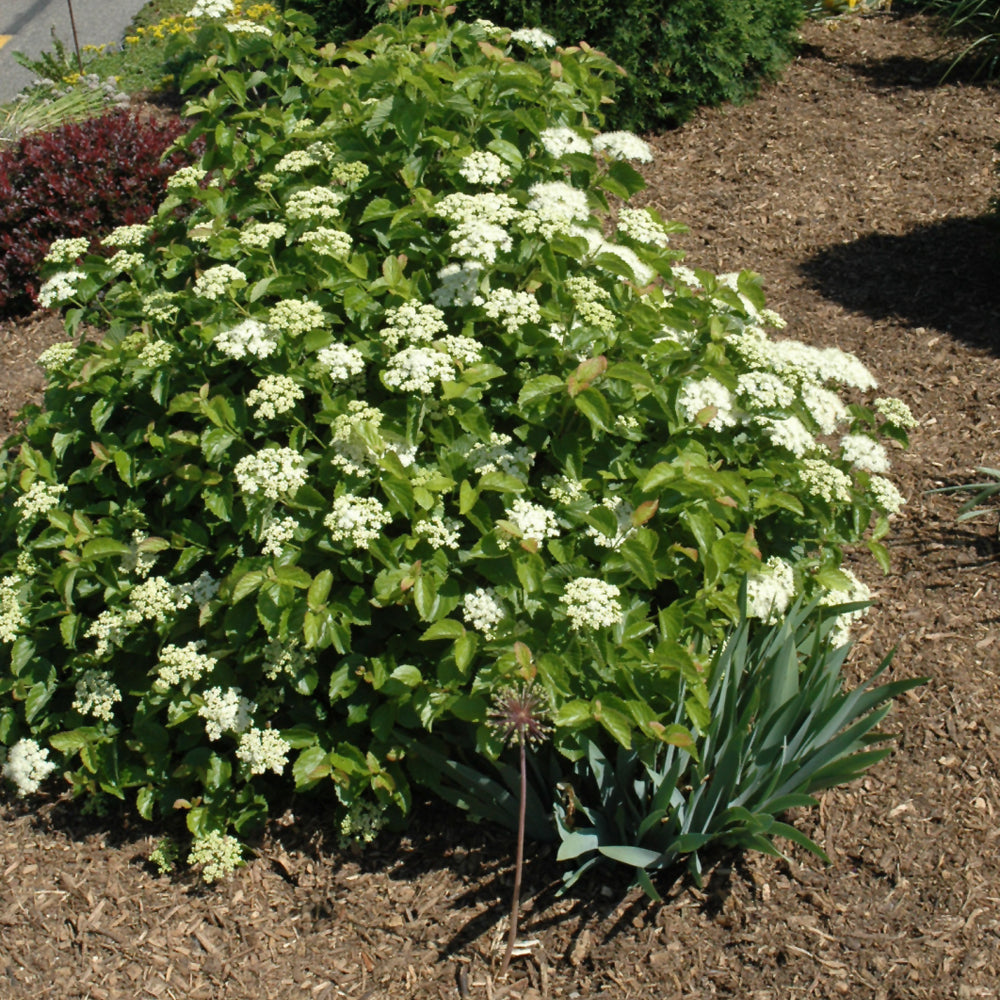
<point x="858" y="187"/>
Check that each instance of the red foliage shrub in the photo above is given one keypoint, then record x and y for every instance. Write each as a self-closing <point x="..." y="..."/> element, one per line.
<point x="82" y="179"/>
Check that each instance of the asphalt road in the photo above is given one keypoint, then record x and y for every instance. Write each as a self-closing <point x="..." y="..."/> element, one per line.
<point x="26" y="26"/>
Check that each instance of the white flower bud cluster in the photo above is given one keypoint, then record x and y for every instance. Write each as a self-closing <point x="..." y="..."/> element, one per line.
<point x="623" y="512"/>
<point x="27" y="766"/>
<point x="478" y="223"/>
<point x="533" y="38"/>
<point x="864" y="453"/>
<point x="558" y="202"/>
<point x="491" y="30"/>
<point x="273" y="395"/>
<point x="415" y="322"/>
<point x="896" y="412"/>
<point x="66" y="251"/>
<point x="156" y="599"/>
<point x="483" y="167"/>
<point x="186" y="177"/>
<point x="482" y="611"/>
<point x="57" y="356"/>
<point x="789" y="433"/>
<point x="12" y="617"/>
<point x="248" y="28"/>
<point x="639" y="225"/>
<point x="271" y="472"/>
<point x="885" y="495"/>
<point x="498" y="456"/>
<point x="111" y="627"/>
<point x="276" y="534"/>
<point x="284" y="658"/>
<point x="41" y="497"/>
<point x="623" y="146"/>
<point x="361" y="824"/>
<point x="531" y="521"/>
<point x="248" y="337"/>
<point x="770" y="590"/>
<point x="295" y="162"/>
<point x="215" y="282"/>
<point x="459" y="285"/>
<point x="160" y="306"/>
<point x="315" y="204"/>
<point x="591" y="603"/>
<point x="218" y="854"/>
<point x="857" y="591"/>
<point x="351" y="449"/>
<point x="60" y="287"/>
<point x="589" y="299"/>
<point x="341" y="363"/>
<point x="178" y="664"/>
<point x="418" y="369"/>
<point x="128" y="236"/>
<point x="562" y="141"/>
<point x="155" y="354"/>
<point x="356" y="520"/>
<point x="562" y="489"/>
<point x="263" y="750"/>
<point x="461" y="349"/>
<point x="260" y="235"/>
<point x="513" y="309"/>
<point x="480" y="241"/>
<point x="442" y="532"/>
<point x="761" y="390"/>
<point x="326" y="241"/>
<point x="695" y="397"/>
<point x="125" y="260"/>
<point x="226" y="711"/>
<point x="96" y="695"/>
<point x="825" y="481"/>
<point x="296" y="316"/>
<point x="211" y="8"/>
<point x="824" y="406"/>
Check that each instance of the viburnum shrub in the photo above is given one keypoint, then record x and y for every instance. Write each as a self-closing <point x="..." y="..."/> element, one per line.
<point x="392" y="407"/>
<point x="78" y="180"/>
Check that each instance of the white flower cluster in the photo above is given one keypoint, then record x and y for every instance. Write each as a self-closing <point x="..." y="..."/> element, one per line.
<point x="138" y="560"/>
<point x="155" y="354"/>
<point x="263" y="750"/>
<point x="824" y="406"/>
<point x="248" y="337"/>
<point x="770" y="590"/>
<point x="418" y="369"/>
<point x="513" y="309"/>
<point x="200" y="590"/>
<point x="562" y="141"/>
<point x="348" y="173"/>
<point x="211" y="8"/>
<point x="314" y="204"/>
<point x="218" y="854"/>
<point x="559" y="203"/>
<point x="442" y="532"/>
<point x="66" y="251"/>
<point x="186" y="177"/>
<point x="800" y="363"/>
<point x="639" y="225"/>
<point x="12" y="617"/>
<point x="111" y="627"/>
<point x="461" y="349"/>
<point x="416" y="322"/>
<point x="296" y="316"/>
<point x="482" y="611"/>
<point x="361" y="824"/>
<point x="589" y="299"/>
<point x="41" y="497"/>
<point x="886" y="495"/>
<point x="825" y="481"/>
<point x="533" y="38"/>
<point x="352" y="448"/>
<point x="591" y="603"/>
<point x="326" y="241"/>
<point x="562" y="489"/>
<point x="789" y="433"/>
<point x="480" y="241"/>
<point x="478" y="223"/>
<point x="623" y="512"/>
<point x="284" y="658"/>
<point x="125" y="260"/>
<point x="128" y="236"/>
<point x="623" y="146"/>
<point x="855" y="592"/>
<point x="896" y="412"/>
<point x="156" y="599"/>
<point x="60" y="287"/>
<point x="708" y="393"/>
<point x="272" y="472"/>
<point x="183" y="663"/>
<point x="864" y="452"/>
<point x="96" y="695"/>
<point x="484" y="168"/>
<point x="356" y="520"/>
<point x="57" y="356"/>
<point x="276" y="534"/>
<point x="214" y="282"/>
<point x="295" y="162"/>
<point x="274" y="394"/>
<point x="226" y="711"/>
<point x="762" y="390"/>
<point x="531" y="521"/>
<point x="260" y="235"/>
<point x="498" y="456"/>
<point x="160" y="306"/>
<point x="492" y="30"/>
<point x="27" y="766"/>
<point x="248" y="28"/>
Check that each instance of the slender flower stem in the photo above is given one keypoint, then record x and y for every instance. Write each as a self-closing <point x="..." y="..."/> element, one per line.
<point x="515" y="903"/>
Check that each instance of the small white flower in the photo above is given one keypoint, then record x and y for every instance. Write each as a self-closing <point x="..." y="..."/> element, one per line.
<point x="295" y="162"/>
<point x="531" y="521"/>
<point x="226" y="712"/>
<point x="482" y="611"/>
<point x="201" y="590"/>
<point x="418" y="369"/>
<point x="498" y="456"/>
<point x="486" y="206"/>
<point x="96" y="695"/>
<point x="326" y="241"/>
<point x="789" y="433"/>
<point x="260" y="235"/>
<point x="263" y="750"/>
<point x="562" y="141"/>
<point x="770" y="590"/>
<point x="156" y="599"/>
<point x="480" y="241"/>
<point x="275" y="394"/>
<point x="155" y="354"/>
<point x="825" y="481"/>
<point x="640" y="226"/>
<point x="864" y="453"/>
<point x="513" y="309"/>
<point x="708" y="394"/>
<point x="459" y="284"/>
<point x="591" y="603"/>
<point x="761" y="390"/>
<point x="125" y="260"/>
<point x="276" y="534"/>
<point x="27" y="766"/>
<point x="533" y="38"/>
<point x="342" y="363"/>
<point x="183" y="663"/>
<point x="12" y="617"/>
<point x="482" y="167"/>
<point x="60" y="287"/>
<point x="824" y="406"/>
<point x="66" y="251"/>
<point x="623" y="512"/>
<point x="248" y="28"/>
<point x="211" y="8"/>
<point x="249" y="337"/>
<point x="186" y="177"/>
<point x="314" y="204"/>
<point x="623" y="146"/>
<point x="128" y="236"/>
<point x="218" y="854"/>
<point x="57" y="356"/>
<point x="896" y="412"/>
<point x="296" y="316"/>
<point x="41" y="497"/>
<point x="415" y="322"/>
<point x="855" y="592"/>
<point x="442" y="532"/>
<point x="271" y="472"/>
<point x="356" y="520"/>
<point x="215" y="282"/>
<point x="557" y="201"/>
<point x="886" y="496"/>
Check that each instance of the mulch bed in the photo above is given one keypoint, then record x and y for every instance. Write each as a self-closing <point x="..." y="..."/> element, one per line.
<point x="859" y="187"/>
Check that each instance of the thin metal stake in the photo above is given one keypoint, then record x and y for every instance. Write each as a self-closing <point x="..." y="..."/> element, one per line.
<point x="76" y="40"/>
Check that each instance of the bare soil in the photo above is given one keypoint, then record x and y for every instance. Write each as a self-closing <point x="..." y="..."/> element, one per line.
<point x="859" y="187"/>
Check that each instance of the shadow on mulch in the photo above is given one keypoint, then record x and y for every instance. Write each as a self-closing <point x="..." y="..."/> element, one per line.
<point x="942" y="276"/>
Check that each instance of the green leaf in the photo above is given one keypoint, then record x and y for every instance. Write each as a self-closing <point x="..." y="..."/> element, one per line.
<point x="104" y="548"/>
<point x="446" y="628"/>
<point x="311" y="766"/>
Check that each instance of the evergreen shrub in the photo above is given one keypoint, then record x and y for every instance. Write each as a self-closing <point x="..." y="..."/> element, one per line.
<point x="392" y="411"/>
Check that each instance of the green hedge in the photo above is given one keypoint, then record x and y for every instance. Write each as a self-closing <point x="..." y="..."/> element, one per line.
<point x="679" y="54"/>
